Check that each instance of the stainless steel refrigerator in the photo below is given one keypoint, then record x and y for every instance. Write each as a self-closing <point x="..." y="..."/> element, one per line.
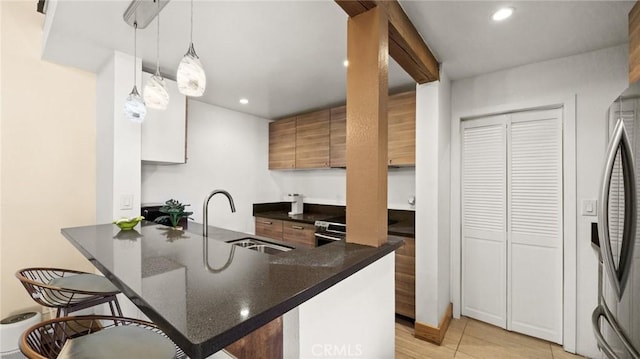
<point x="616" y="319"/>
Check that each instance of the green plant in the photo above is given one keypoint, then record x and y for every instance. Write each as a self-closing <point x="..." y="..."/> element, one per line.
<point x="174" y="211"/>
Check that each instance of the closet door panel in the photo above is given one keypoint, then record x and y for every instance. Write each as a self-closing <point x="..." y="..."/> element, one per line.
<point x="535" y="224"/>
<point x="484" y="220"/>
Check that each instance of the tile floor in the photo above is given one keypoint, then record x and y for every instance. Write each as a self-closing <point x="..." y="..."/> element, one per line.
<point x="471" y="339"/>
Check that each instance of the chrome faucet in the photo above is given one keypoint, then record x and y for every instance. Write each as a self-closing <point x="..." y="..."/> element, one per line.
<point x="205" y="209"/>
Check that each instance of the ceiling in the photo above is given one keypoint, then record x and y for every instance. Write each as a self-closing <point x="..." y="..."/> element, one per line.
<point x="286" y="56"/>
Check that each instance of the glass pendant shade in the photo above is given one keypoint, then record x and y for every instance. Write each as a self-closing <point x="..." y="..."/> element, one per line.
<point x="191" y="78"/>
<point x="155" y="93"/>
<point x="134" y="108"/>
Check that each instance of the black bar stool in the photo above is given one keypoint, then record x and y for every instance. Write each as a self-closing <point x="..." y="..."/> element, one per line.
<point x="68" y="290"/>
<point x="97" y="337"/>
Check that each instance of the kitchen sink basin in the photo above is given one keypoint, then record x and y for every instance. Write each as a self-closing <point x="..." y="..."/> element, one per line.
<point x="260" y="245"/>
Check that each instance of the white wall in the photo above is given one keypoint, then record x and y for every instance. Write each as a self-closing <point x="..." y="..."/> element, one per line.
<point x="226" y="150"/>
<point x="359" y="312"/>
<point x="329" y="186"/>
<point x="118" y="146"/>
<point x="596" y="78"/>
<point x="229" y="150"/>
<point x="433" y="128"/>
<point x="48" y="154"/>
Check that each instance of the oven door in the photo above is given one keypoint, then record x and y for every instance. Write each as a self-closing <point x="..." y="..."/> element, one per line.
<point x="326" y="237"/>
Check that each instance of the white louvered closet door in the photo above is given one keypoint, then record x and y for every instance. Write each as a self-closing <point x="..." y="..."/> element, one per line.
<point x="484" y="220"/>
<point x="535" y="224"/>
<point x="512" y="225"/>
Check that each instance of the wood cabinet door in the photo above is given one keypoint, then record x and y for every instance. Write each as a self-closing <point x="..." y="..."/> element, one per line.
<point x="312" y="139"/>
<point x="265" y="342"/>
<point x="406" y="279"/>
<point x="282" y="144"/>
<point x="338" y="151"/>
<point x="300" y="234"/>
<point x="402" y="129"/>
<point x="270" y="228"/>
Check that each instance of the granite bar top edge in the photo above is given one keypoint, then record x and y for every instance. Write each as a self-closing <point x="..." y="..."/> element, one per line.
<point x="232" y="334"/>
<point x="131" y="295"/>
<point x="259" y="320"/>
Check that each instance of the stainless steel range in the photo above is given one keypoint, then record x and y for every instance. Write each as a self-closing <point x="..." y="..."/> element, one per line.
<point x="331" y="230"/>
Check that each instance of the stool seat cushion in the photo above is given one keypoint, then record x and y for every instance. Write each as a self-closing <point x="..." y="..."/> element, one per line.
<point x="123" y="341"/>
<point x="86" y="282"/>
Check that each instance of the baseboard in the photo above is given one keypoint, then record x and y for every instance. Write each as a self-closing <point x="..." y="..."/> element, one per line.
<point x="432" y="334"/>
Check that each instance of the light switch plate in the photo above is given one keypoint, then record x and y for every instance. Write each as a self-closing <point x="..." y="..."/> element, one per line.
<point x="589" y="207"/>
<point x="126" y="201"/>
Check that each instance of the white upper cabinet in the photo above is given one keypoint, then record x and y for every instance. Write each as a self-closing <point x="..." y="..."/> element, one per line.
<point x="164" y="132"/>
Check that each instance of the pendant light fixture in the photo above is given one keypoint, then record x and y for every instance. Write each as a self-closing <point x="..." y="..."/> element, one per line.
<point x="134" y="108"/>
<point x="155" y="92"/>
<point x="191" y="78"/>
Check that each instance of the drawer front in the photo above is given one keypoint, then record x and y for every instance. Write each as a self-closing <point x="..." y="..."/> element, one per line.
<point x="299" y="233"/>
<point x="270" y="228"/>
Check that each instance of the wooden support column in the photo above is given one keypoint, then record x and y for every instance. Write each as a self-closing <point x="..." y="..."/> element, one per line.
<point x="367" y="93"/>
<point x="405" y="43"/>
<point x="634" y="43"/>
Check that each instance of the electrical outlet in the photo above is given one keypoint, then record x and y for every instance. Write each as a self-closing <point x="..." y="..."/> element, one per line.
<point x="589" y="207"/>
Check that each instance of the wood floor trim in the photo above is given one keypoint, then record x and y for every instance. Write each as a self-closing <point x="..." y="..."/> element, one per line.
<point x="432" y="334"/>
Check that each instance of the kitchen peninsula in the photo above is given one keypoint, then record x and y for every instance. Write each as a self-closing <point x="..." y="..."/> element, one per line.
<point x="206" y="293"/>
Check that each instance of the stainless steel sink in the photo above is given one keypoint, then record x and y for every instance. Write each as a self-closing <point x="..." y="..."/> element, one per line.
<point x="260" y="245"/>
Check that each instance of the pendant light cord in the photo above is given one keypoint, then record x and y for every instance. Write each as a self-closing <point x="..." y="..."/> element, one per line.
<point x="191" y="22"/>
<point x="158" y="42"/>
<point x="135" y="46"/>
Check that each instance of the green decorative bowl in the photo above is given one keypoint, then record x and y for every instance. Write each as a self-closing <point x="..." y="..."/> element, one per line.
<point x="128" y="224"/>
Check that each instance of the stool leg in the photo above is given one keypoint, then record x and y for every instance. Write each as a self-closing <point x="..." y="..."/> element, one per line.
<point x="115" y="301"/>
<point x="110" y="302"/>
<point x="58" y="312"/>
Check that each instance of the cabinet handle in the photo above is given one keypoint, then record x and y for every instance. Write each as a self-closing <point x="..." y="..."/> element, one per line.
<point x="266" y="222"/>
<point x="297" y="227"/>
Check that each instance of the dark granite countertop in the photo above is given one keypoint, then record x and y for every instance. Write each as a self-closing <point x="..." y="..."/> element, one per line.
<point x="309" y="218"/>
<point x="402" y="222"/>
<point x="206" y="294"/>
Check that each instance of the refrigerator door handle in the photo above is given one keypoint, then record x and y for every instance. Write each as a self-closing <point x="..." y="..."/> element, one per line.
<point x="602" y="311"/>
<point x="619" y="275"/>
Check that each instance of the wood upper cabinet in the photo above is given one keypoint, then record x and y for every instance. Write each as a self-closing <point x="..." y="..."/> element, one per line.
<point x="402" y="129"/>
<point x="338" y="148"/>
<point x="319" y="139"/>
<point x="312" y="139"/>
<point x="282" y="144"/>
<point x="406" y="278"/>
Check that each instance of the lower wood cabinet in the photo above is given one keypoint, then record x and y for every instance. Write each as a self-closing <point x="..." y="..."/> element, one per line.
<point x="406" y="279"/>
<point x="299" y="234"/>
<point x="265" y="342"/>
<point x="270" y="228"/>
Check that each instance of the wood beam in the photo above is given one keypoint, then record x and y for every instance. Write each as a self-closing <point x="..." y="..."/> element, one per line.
<point x="367" y="94"/>
<point x="634" y="43"/>
<point x="406" y="45"/>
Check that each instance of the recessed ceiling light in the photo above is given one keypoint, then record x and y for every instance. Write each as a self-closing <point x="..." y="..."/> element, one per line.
<point x="244" y="101"/>
<point x="346" y="63"/>
<point x="502" y="14"/>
